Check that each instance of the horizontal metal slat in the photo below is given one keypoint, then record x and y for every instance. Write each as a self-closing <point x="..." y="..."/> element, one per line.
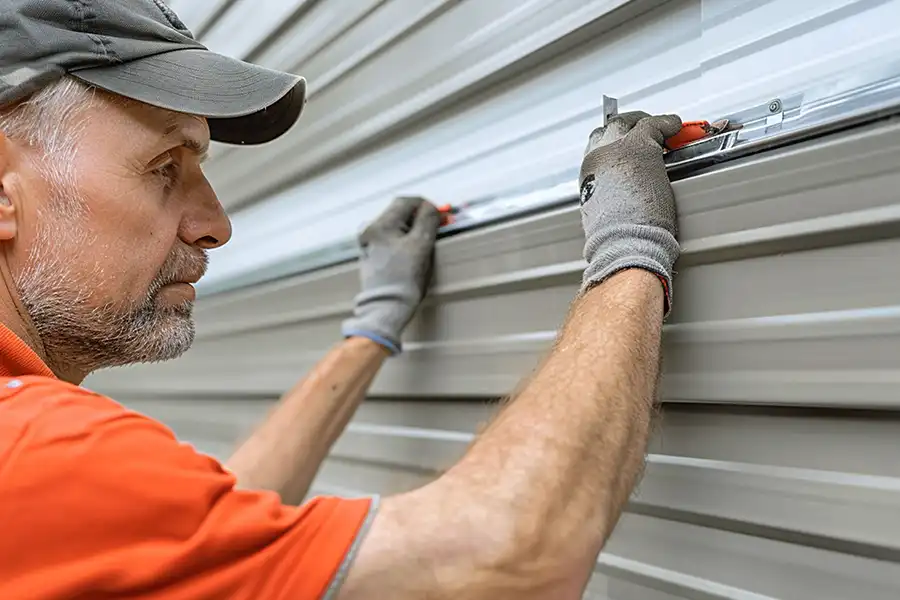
<point x="247" y="23"/>
<point x="735" y="505"/>
<point x="472" y="51"/>
<point x="686" y="556"/>
<point x="198" y="15"/>
<point x="324" y="25"/>
<point x="763" y="487"/>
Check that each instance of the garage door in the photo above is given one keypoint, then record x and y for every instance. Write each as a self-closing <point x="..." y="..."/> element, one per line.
<point x="773" y="471"/>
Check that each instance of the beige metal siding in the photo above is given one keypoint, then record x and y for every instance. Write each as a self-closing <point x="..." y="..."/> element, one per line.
<point x="735" y="503"/>
<point x="773" y="472"/>
<point x="779" y="296"/>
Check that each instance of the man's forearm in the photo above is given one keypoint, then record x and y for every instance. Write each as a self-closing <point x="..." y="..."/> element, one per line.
<point x="580" y="426"/>
<point x="285" y="452"/>
<point x="527" y="510"/>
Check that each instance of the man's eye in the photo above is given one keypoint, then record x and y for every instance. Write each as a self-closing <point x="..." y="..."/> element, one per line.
<point x="168" y="173"/>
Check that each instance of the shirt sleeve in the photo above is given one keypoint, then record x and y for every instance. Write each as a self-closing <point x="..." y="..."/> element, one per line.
<point x="119" y="508"/>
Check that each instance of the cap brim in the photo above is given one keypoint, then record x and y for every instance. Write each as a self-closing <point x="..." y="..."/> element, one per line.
<point x="244" y="103"/>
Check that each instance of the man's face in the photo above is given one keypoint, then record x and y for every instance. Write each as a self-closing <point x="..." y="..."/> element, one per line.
<point x="104" y="268"/>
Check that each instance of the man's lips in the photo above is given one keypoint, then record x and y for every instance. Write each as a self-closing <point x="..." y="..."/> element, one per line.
<point x="185" y="289"/>
<point x="190" y="279"/>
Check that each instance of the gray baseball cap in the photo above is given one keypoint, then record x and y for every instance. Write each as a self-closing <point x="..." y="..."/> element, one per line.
<point x="141" y="50"/>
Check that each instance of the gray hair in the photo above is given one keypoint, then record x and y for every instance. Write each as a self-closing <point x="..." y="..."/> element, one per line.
<point x="50" y="121"/>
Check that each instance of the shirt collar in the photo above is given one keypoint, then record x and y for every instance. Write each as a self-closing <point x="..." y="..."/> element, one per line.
<point x="17" y="359"/>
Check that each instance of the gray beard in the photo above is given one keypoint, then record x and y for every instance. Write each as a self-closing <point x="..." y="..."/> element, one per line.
<point x="77" y="332"/>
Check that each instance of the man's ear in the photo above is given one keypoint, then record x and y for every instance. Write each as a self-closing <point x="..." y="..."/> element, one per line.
<point x="8" y="191"/>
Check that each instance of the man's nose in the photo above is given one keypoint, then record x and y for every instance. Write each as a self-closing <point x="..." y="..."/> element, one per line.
<point x="205" y="223"/>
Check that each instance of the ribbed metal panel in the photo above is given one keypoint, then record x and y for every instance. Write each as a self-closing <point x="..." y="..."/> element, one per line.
<point x="773" y="305"/>
<point x="738" y="504"/>
<point x="780" y="303"/>
<point x="773" y="471"/>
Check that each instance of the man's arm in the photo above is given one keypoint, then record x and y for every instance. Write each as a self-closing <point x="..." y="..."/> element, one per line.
<point x="285" y="452"/>
<point x="525" y="513"/>
<point x="527" y="510"/>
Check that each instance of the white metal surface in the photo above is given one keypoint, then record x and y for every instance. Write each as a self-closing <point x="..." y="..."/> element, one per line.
<point x="248" y="23"/>
<point x="198" y="14"/>
<point x="683" y="56"/>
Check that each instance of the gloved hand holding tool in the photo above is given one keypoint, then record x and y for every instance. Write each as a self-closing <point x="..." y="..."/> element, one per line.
<point x="395" y="267"/>
<point x="627" y="203"/>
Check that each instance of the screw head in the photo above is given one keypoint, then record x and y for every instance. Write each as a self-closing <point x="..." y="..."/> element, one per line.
<point x="775" y="106"/>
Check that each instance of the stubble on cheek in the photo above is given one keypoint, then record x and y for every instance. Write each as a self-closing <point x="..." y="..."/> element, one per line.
<point x="69" y="296"/>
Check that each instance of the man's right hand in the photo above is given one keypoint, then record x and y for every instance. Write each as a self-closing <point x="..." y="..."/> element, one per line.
<point x="627" y="203"/>
<point x="395" y="268"/>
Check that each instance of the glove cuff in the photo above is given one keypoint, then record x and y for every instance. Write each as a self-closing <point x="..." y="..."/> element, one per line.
<point x="645" y="247"/>
<point x="395" y="348"/>
<point x="381" y="314"/>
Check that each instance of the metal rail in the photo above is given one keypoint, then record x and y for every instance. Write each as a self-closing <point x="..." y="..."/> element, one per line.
<point x="862" y="97"/>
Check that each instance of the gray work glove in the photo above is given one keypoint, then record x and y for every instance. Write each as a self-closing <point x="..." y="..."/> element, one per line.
<point x="395" y="268"/>
<point x="627" y="203"/>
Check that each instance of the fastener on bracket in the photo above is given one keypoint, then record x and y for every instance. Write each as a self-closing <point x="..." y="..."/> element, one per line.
<point x="776" y="118"/>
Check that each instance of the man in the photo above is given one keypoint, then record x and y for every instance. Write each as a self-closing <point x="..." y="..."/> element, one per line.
<point x="106" y="110"/>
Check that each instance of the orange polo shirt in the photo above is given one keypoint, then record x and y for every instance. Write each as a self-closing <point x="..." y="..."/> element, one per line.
<point x="97" y="501"/>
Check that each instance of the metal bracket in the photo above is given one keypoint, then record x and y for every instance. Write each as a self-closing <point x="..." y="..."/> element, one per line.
<point x="610" y="109"/>
<point x="754" y="123"/>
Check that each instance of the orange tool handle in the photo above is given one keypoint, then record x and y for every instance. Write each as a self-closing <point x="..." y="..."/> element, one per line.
<point x="691" y="131"/>
<point x="447" y="211"/>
